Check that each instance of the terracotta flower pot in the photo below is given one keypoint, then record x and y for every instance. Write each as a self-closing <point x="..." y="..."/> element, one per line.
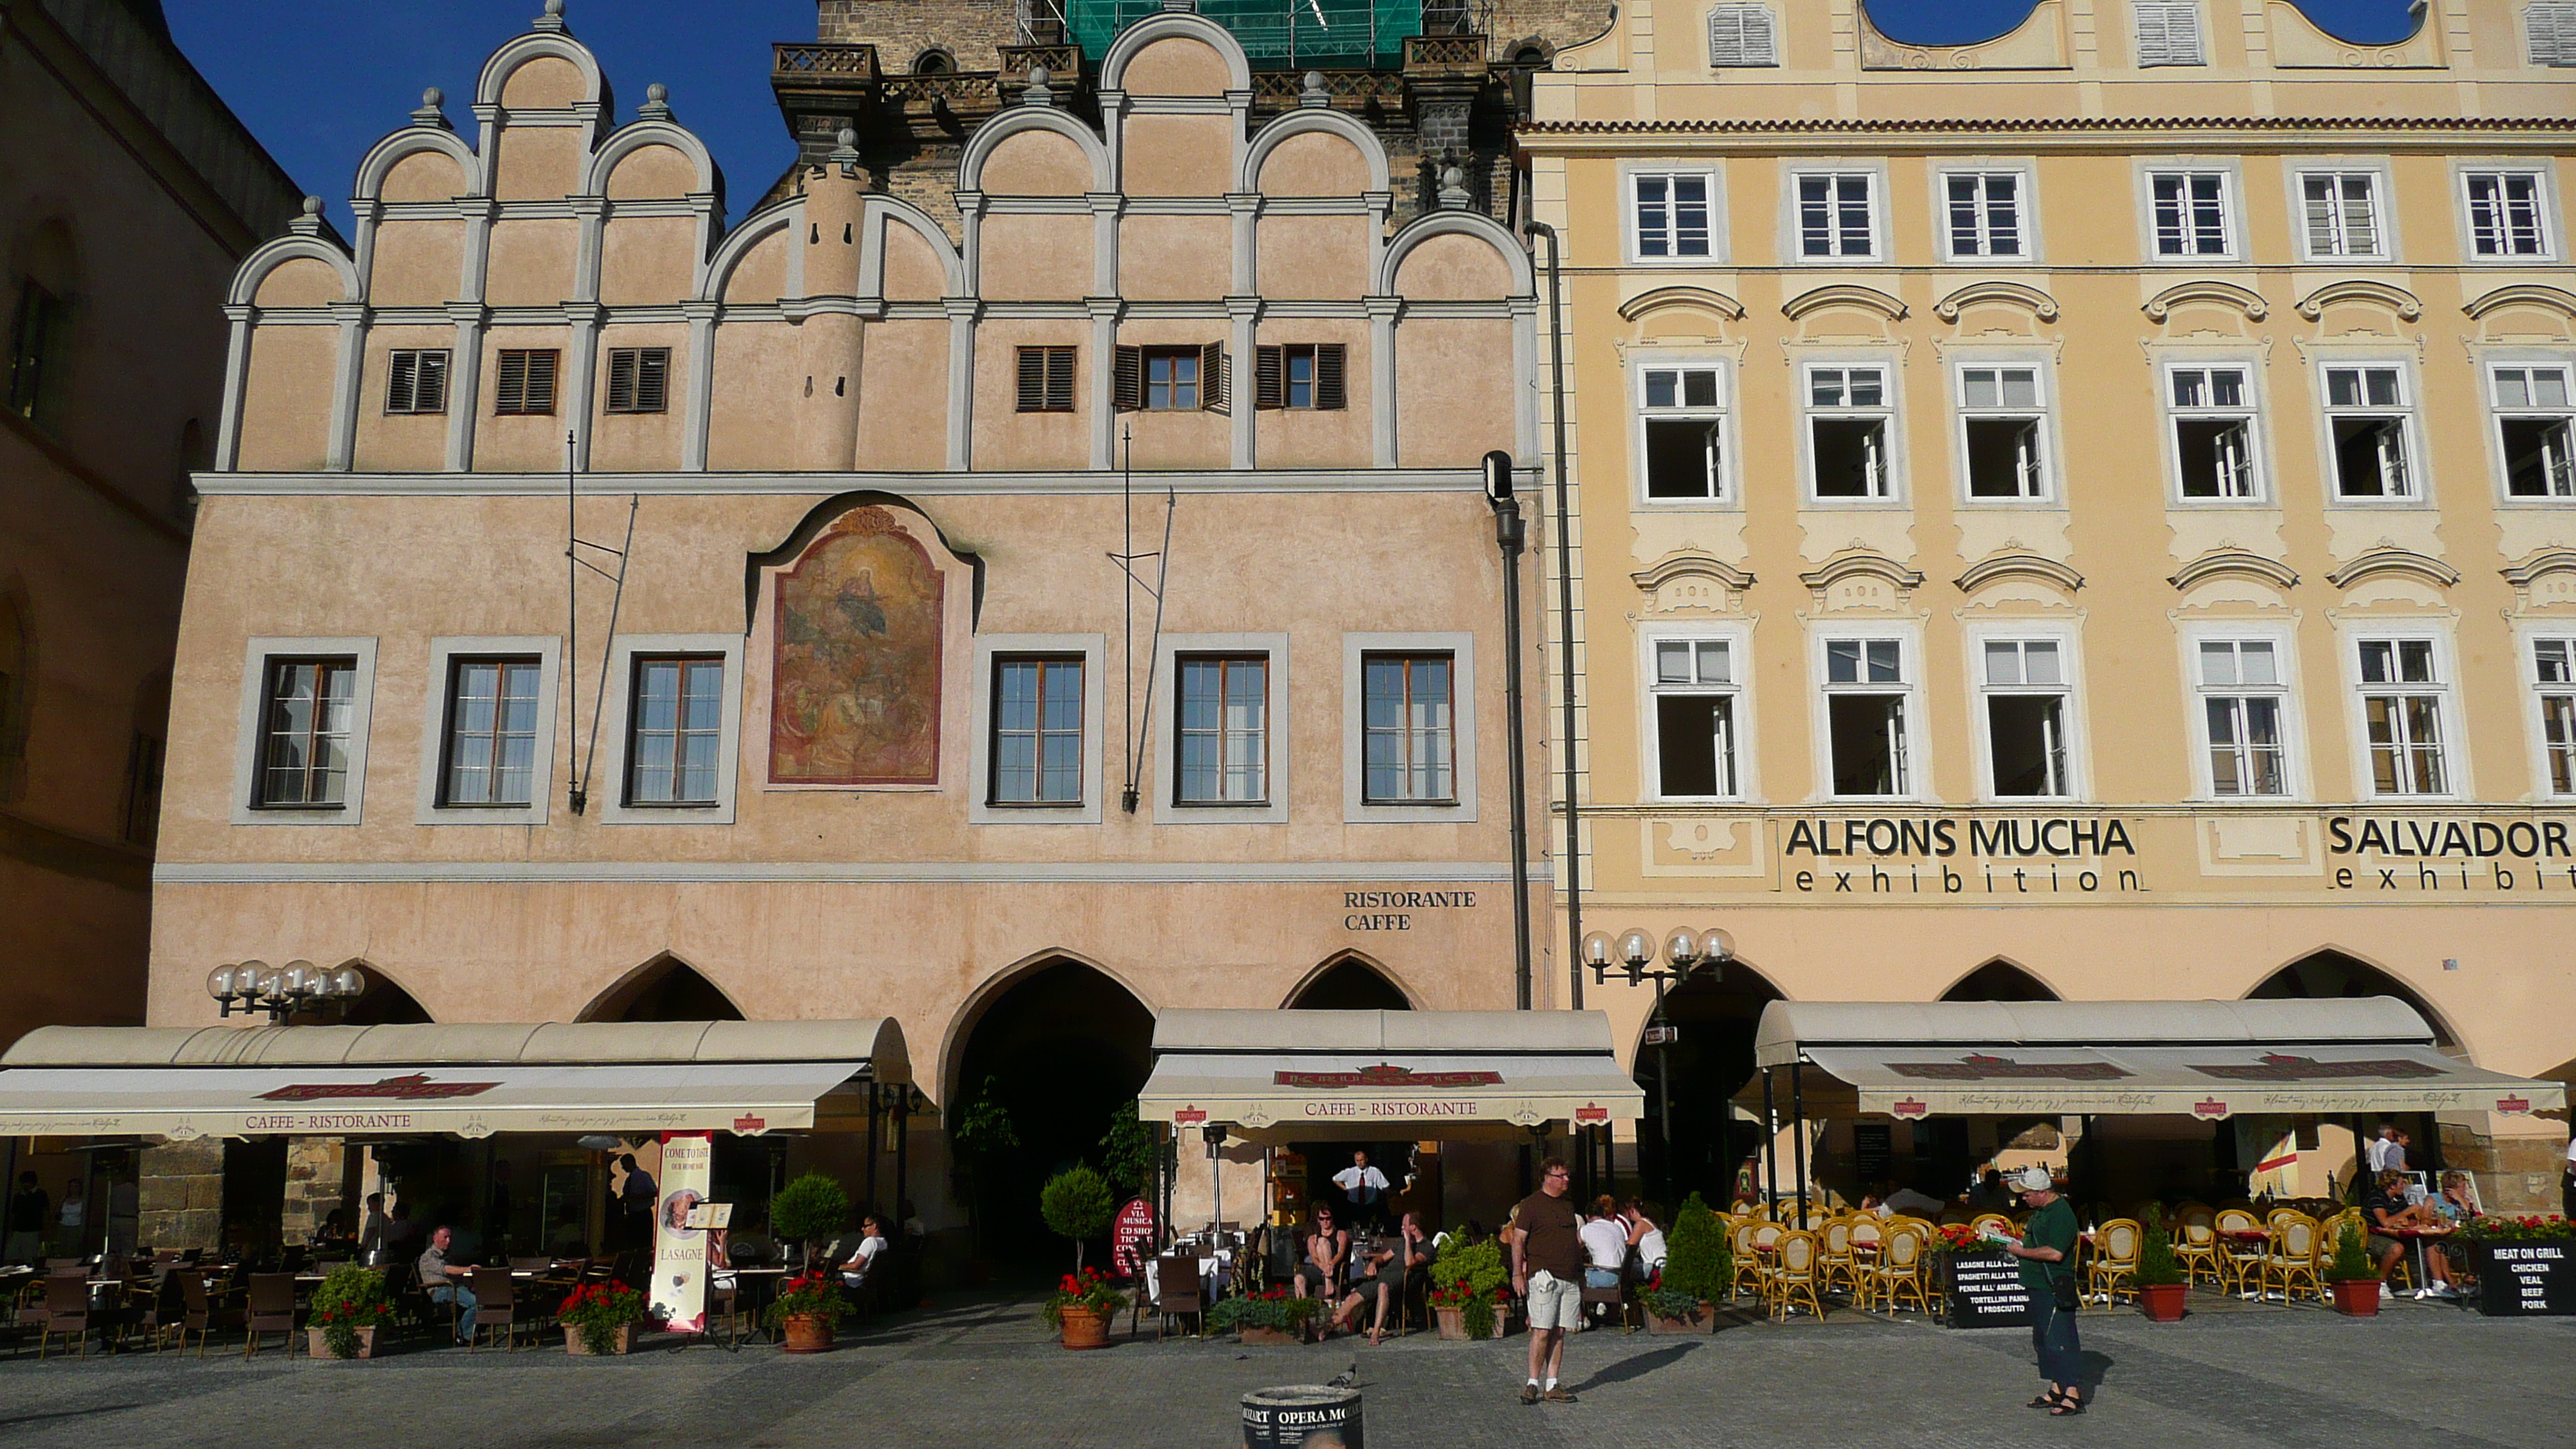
<point x="1085" y="1329"/>
<point x="809" y="1333"/>
<point x="2356" y="1297"/>
<point x="1453" y="1323"/>
<point x="2162" y="1302"/>
<point x="319" y="1346"/>
<point x="622" y="1341"/>
<point x="1704" y="1321"/>
<point x="1251" y="1335"/>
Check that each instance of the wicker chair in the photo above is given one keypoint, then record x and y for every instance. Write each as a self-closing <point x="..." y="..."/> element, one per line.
<point x="2292" y="1258"/>
<point x="2115" y="1260"/>
<point x="1795" y="1278"/>
<point x="1748" y="1263"/>
<point x="2195" y="1241"/>
<point x="1899" y="1271"/>
<point x="2239" y="1263"/>
<point x="1834" y="1248"/>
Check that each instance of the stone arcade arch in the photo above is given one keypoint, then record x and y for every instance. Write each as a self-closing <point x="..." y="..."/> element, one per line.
<point x="665" y="988"/>
<point x="1349" y="982"/>
<point x="1707" y="1065"/>
<point x="2329" y="974"/>
<point x="2000" y="980"/>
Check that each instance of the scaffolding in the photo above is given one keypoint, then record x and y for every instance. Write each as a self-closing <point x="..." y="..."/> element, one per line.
<point x="1287" y="34"/>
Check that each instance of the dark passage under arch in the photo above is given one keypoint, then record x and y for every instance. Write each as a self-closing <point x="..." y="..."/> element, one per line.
<point x="666" y="989"/>
<point x="1999" y="980"/>
<point x="2332" y="975"/>
<point x="1350" y="984"/>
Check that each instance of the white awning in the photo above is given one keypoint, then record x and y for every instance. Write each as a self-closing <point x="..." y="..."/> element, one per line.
<point x="1409" y="1072"/>
<point x="2206" y="1059"/>
<point x="470" y="1079"/>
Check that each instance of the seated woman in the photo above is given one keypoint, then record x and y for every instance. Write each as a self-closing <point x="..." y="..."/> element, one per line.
<point x="872" y="1243"/>
<point x="1327" y="1255"/>
<point x="1605" y="1244"/>
<point x="1645" y="1239"/>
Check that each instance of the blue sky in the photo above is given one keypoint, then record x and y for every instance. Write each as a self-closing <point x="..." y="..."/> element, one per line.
<point x="319" y="81"/>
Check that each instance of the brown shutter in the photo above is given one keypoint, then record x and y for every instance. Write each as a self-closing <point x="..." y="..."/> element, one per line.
<point x="429" y="385"/>
<point x="541" y="381"/>
<point x="1059" y="379"/>
<point x="402" y="383"/>
<point x="653" y="380"/>
<point x="621" y="379"/>
<point x="1212" y="378"/>
<point x="1330" y="365"/>
<point x="1269" y="378"/>
<point x="1129" y="385"/>
<point x="1033" y="379"/>
<point x="510" y="384"/>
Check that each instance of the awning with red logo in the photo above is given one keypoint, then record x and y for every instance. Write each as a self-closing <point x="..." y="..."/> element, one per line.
<point x="2206" y="1059"/>
<point x="469" y="1079"/>
<point x="1327" y="1074"/>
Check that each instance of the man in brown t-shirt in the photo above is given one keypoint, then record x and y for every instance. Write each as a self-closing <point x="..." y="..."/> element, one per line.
<point x="1547" y="1271"/>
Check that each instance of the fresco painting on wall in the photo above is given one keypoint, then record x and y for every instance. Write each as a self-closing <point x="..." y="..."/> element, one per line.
<point x="855" y="697"/>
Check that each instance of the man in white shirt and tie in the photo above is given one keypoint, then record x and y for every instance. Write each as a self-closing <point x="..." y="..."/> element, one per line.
<point x="1364" y="1188"/>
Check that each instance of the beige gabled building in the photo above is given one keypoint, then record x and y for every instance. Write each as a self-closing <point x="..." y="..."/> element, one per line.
<point x="2086" y="514"/>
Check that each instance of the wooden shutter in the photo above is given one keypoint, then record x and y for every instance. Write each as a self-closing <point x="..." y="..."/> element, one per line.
<point x="2168" y="32"/>
<point x="1212" y="378"/>
<point x="1059" y="379"/>
<point x="1128" y="386"/>
<point x="621" y="379"/>
<point x="1046" y="379"/>
<point x="2550" y="27"/>
<point x="510" y="384"/>
<point x="429" y="383"/>
<point x="1331" y="366"/>
<point x="402" y="383"/>
<point x="1742" y="35"/>
<point x="1033" y="379"/>
<point x="1269" y="378"/>
<point x="653" y="380"/>
<point x="541" y="381"/>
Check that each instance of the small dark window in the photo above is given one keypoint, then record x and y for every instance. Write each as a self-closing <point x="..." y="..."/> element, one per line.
<point x="1868" y="742"/>
<point x="304" y="733"/>
<point x="525" y="383"/>
<point x="934" y="62"/>
<point x="1046" y="379"/>
<point x="639" y="379"/>
<point x="416" y="381"/>
<point x="1296" y="375"/>
<point x="1171" y="379"/>
<point x="36" y="337"/>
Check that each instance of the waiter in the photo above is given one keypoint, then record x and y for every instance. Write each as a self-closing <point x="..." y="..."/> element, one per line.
<point x="1364" y="1188"/>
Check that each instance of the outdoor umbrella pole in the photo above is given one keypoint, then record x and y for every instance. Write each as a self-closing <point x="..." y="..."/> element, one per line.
<point x="1771" y="1144"/>
<point x="1798" y="1142"/>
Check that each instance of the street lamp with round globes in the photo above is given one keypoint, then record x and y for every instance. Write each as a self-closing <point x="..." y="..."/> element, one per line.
<point x="1687" y="955"/>
<point x="249" y="986"/>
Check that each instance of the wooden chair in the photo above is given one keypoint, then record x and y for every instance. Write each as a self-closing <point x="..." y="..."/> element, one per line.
<point x="1794" y="1280"/>
<point x="1608" y="1298"/>
<point x="165" y="1312"/>
<point x="204" y="1315"/>
<point x="2115" y="1260"/>
<point x="2195" y="1241"/>
<point x="496" y="1308"/>
<point x="1899" y="1271"/>
<point x="67" y="1310"/>
<point x="272" y="1310"/>
<point x="1178" y="1291"/>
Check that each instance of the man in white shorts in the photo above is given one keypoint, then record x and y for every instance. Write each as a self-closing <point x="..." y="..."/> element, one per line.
<point x="1547" y="1271"/>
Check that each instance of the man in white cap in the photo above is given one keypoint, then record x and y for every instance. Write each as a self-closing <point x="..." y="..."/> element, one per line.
<point x="2047" y="1253"/>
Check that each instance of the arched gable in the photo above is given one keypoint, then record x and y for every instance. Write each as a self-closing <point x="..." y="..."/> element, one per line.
<point x="1454" y="223"/>
<point x="642" y="134"/>
<point x="1166" y="25"/>
<point x="269" y="257"/>
<point x="886" y="213"/>
<point x="538" y="44"/>
<point x="759" y="227"/>
<point x="1020" y="120"/>
<point x="412" y="141"/>
<point x="1307" y="122"/>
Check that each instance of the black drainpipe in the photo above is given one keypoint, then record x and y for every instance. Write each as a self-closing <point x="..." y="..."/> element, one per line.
<point x="1510" y="534"/>
<point x="1565" y="618"/>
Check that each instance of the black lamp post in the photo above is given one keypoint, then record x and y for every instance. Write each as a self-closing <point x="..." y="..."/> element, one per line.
<point x="282" y="992"/>
<point x="1688" y="955"/>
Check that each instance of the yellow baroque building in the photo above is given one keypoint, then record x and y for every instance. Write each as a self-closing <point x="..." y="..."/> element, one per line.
<point x="2087" y="514"/>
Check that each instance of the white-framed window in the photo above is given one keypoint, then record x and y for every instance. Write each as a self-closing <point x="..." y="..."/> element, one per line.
<point x="670" y="730"/>
<point x="1741" y="35"/>
<point x="1681" y="430"/>
<point x="2370" y="426"/>
<point x="301" y="755"/>
<point x="2549" y="29"/>
<point x="2168" y="32"/>
<point x="2003" y="430"/>
<point x="1223" y="758"/>
<point x="1851" y="432"/>
<point x="1696" y="688"/>
<point x="2340" y="215"/>
<point x="2407" y="732"/>
<point x="2506" y="210"/>
<point x="2212" y="411"/>
<point x="1870" y="720"/>
<point x="1986" y="215"/>
<point x="2241" y="686"/>
<point x="2191" y="214"/>
<point x="2535" y="420"/>
<point x="1673" y="215"/>
<point x="1409" y="727"/>
<point x="1038" y="711"/>
<point x="2553" y="686"/>
<point x="2025" y="689"/>
<point x="1836" y="215"/>
<point x="488" y="731"/>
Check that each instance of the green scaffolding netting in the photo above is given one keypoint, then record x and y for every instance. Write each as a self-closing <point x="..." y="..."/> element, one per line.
<point x="1275" y="34"/>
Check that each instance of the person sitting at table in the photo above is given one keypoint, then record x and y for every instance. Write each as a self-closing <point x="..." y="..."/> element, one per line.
<point x="2384" y="1209"/>
<point x="1913" y="1203"/>
<point x="854" y="1273"/>
<point x="1327" y="1253"/>
<point x="1645" y="1239"/>
<point x="1605" y="1244"/>
<point x="447" y="1284"/>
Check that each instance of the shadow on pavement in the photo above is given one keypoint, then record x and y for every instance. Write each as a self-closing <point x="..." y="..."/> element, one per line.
<point x="1637" y="1367"/>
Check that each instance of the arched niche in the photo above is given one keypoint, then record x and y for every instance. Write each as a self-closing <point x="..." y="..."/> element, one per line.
<point x="1349" y="982"/>
<point x="665" y="988"/>
<point x="2332" y="975"/>
<point x="1699" y="1072"/>
<point x="386" y="1002"/>
<point x="2000" y="980"/>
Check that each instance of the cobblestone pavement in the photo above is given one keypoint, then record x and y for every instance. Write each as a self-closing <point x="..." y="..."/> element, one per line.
<point x="984" y="1375"/>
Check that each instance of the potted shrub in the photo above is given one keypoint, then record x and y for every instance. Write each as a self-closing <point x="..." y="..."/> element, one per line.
<point x="1080" y="1308"/>
<point x="1672" y="1310"/>
<point x="2354" y="1283"/>
<point x="345" y="1311"/>
<point x="2160" y="1279"/>
<point x="1698" y="1271"/>
<point x="1076" y="1204"/>
<point x="1467" y="1282"/>
<point x="1277" y="1316"/>
<point x="807" y="1311"/>
<point x="600" y="1318"/>
<point x="809" y="1211"/>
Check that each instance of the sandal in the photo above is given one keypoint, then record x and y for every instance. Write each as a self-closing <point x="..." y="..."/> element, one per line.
<point x="2044" y="1401"/>
<point x="2066" y="1408"/>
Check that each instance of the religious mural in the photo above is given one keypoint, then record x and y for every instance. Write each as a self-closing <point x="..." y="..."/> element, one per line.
<point x="855" y="692"/>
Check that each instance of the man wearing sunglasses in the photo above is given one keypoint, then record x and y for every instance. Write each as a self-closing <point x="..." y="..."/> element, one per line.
<point x="1547" y="1271"/>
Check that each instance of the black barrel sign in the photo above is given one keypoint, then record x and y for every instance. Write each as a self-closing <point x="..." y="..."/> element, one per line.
<point x="1302" y="1416"/>
<point x="1985" y="1291"/>
<point x="2515" y="1279"/>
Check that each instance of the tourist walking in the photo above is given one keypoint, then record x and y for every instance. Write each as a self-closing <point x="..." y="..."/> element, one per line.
<point x="2047" y="1253"/>
<point x="1547" y="1271"/>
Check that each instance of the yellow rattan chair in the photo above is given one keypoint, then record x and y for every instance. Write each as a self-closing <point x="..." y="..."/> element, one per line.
<point x="2115" y="1260"/>
<point x="2195" y="1241"/>
<point x="1867" y="1233"/>
<point x="1900" y="1272"/>
<point x="2239" y="1263"/>
<point x="1834" y="1248"/>
<point x="1795" y="1279"/>
<point x="2293" y="1257"/>
<point x="1748" y="1263"/>
<point x="1997" y="1221"/>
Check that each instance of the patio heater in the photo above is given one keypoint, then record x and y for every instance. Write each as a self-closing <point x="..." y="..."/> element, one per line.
<point x="282" y="992"/>
<point x="1688" y="955"/>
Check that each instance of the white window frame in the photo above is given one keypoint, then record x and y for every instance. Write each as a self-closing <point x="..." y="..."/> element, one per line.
<point x="1357" y="809"/>
<point x="1982" y="691"/>
<point x="2138" y="28"/>
<point x="2418" y="479"/>
<point x="1917" y="737"/>
<point x="1714" y="177"/>
<point x="1727" y="495"/>
<point x="1770" y="36"/>
<point x="1793" y="234"/>
<point x="2527" y="641"/>
<point x="2383" y="217"/>
<point x="1168" y="809"/>
<point x="1966" y="360"/>
<point x="617" y="731"/>
<point x="443" y="654"/>
<point x="1742" y="767"/>
<point x="2545" y="211"/>
<point x="1890" y="409"/>
<point x="2231" y="190"/>
<point x="2496" y="413"/>
<point x="2257" y="446"/>
<point x="2197" y="694"/>
<point x="1093" y="650"/>
<point x="2454" y="742"/>
<point x="253" y="718"/>
<point x="2025" y="176"/>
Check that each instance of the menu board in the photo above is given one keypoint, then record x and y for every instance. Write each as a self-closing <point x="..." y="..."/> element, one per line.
<point x="2527" y="1279"/>
<point x="1985" y="1291"/>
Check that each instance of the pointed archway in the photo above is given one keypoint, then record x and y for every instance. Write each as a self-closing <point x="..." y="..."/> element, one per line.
<point x="2332" y="975"/>
<point x="385" y="1004"/>
<point x="1349" y="983"/>
<point x="665" y="988"/>
<point x="1708" y="1061"/>
<point x="2000" y="980"/>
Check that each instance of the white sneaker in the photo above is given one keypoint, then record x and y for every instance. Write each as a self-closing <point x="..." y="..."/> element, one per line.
<point x="2443" y="1290"/>
<point x="2387" y="1294"/>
